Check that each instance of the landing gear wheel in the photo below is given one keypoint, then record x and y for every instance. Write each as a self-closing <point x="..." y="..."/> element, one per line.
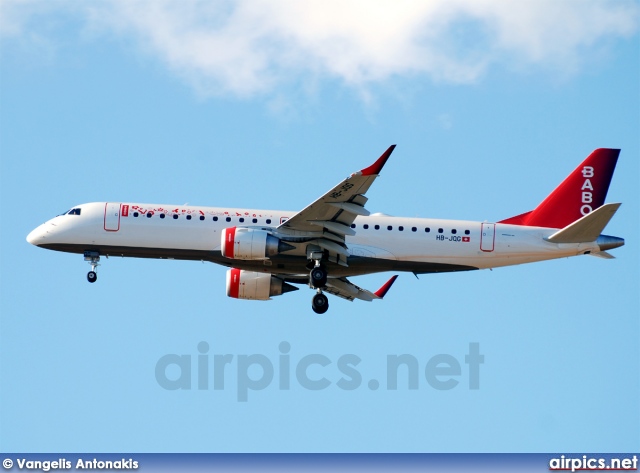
<point x="320" y="303"/>
<point x="318" y="277"/>
<point x="93" y="258"/>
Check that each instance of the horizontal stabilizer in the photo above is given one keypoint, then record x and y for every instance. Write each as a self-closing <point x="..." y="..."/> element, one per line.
<point x="603" y="254"/>
<point x="586" y="229"/>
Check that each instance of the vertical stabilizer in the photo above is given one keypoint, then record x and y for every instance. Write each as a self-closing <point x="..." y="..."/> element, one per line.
<point x="582" y="192"/>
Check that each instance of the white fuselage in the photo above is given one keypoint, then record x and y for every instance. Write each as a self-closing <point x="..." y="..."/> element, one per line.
<point x="380" y="243"/>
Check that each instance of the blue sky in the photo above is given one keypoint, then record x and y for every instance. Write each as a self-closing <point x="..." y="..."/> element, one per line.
<point x="269" y="105"/>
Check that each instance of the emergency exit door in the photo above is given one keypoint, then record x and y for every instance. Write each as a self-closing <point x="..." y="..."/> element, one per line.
<point x="487" y="236"/>
<point x="112" y="216"/>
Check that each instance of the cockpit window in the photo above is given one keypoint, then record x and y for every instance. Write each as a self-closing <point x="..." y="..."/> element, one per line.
<point x="74" y="212"/>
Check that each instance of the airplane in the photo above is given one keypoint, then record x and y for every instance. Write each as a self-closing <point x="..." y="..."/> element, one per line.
<point x="336" y="237"/>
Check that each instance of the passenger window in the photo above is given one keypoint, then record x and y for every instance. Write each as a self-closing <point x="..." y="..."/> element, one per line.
<point x="201" y="217"/>
<point x="215" y="219"/>
<point x="188" y="217"/>
<point x="255" y="220"/>
<point x="427" y="230"/>
<point x="401" y="228"/>
<point x="389" y="227"/>
<point x="454" y="231"/>
<point x="161" y="215"/>
<point x="414" y="229"/>
<point x="377" y="227"/>
<point x="149" y="215"/>
<point x="467" y="232"/>
<point x="175" y="216"/>
<point x="241" y="219"/>
<point x="135" y="214"/>
<point x="268" y="221"/>
<point x="365" y="226"/>
<point x="440" y="230"/>
<point x="228" y="219"/>
<point x="353" y="225"/>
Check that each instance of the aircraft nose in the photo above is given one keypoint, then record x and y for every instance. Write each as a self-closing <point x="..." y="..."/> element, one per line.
<point x="36" y="237"/>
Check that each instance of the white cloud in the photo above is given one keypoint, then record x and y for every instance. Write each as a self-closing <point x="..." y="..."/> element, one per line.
<point x="249" y="47"/>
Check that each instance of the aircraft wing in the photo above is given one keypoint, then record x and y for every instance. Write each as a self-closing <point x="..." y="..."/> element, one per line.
<point x="344" y="288"/>
<point x="334" y="212"/>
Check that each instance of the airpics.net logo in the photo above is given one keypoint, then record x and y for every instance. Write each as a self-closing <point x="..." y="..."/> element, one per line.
<point x="315" y="372"/>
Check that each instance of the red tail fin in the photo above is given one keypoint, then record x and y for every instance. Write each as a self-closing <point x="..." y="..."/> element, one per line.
<point x="583" y="191"/>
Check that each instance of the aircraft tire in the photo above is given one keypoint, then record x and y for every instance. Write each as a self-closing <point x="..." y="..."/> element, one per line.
<point x="320" y="303"/>
<point x="318" y="277"/>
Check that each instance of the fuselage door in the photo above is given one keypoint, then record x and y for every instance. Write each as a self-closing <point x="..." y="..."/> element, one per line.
<point x="112" y="216"/>
<point x="487" y="236"/>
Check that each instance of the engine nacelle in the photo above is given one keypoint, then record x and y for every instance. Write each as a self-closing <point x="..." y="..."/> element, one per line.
<point x="250" y="244"/>
<point x="250" y="285"/>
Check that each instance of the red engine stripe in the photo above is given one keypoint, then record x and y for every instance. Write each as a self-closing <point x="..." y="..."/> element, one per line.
<point x="234" y="283"/>
<point x="229" y="239"/>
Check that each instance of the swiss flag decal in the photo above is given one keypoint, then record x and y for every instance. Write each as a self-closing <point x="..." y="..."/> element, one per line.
<point x="466" y="239"/>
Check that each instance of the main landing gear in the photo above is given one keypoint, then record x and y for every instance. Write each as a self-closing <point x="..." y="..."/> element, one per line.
<point x="318" y="280"/>
<point x="319" y="303"/>
<point x="93" y="257"/>
<point x="318" y="277"/>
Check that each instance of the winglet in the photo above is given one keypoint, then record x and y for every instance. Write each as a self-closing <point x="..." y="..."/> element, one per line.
<point x="376" y="167"/>
<point x="385" y="287"/>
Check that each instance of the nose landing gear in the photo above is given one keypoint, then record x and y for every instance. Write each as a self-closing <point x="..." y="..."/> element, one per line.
<point x="93" y="257"/>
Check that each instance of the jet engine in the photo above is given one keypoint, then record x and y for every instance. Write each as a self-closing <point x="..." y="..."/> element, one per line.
<point x="250" y="244"/>
<point x="255" y="286"/>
